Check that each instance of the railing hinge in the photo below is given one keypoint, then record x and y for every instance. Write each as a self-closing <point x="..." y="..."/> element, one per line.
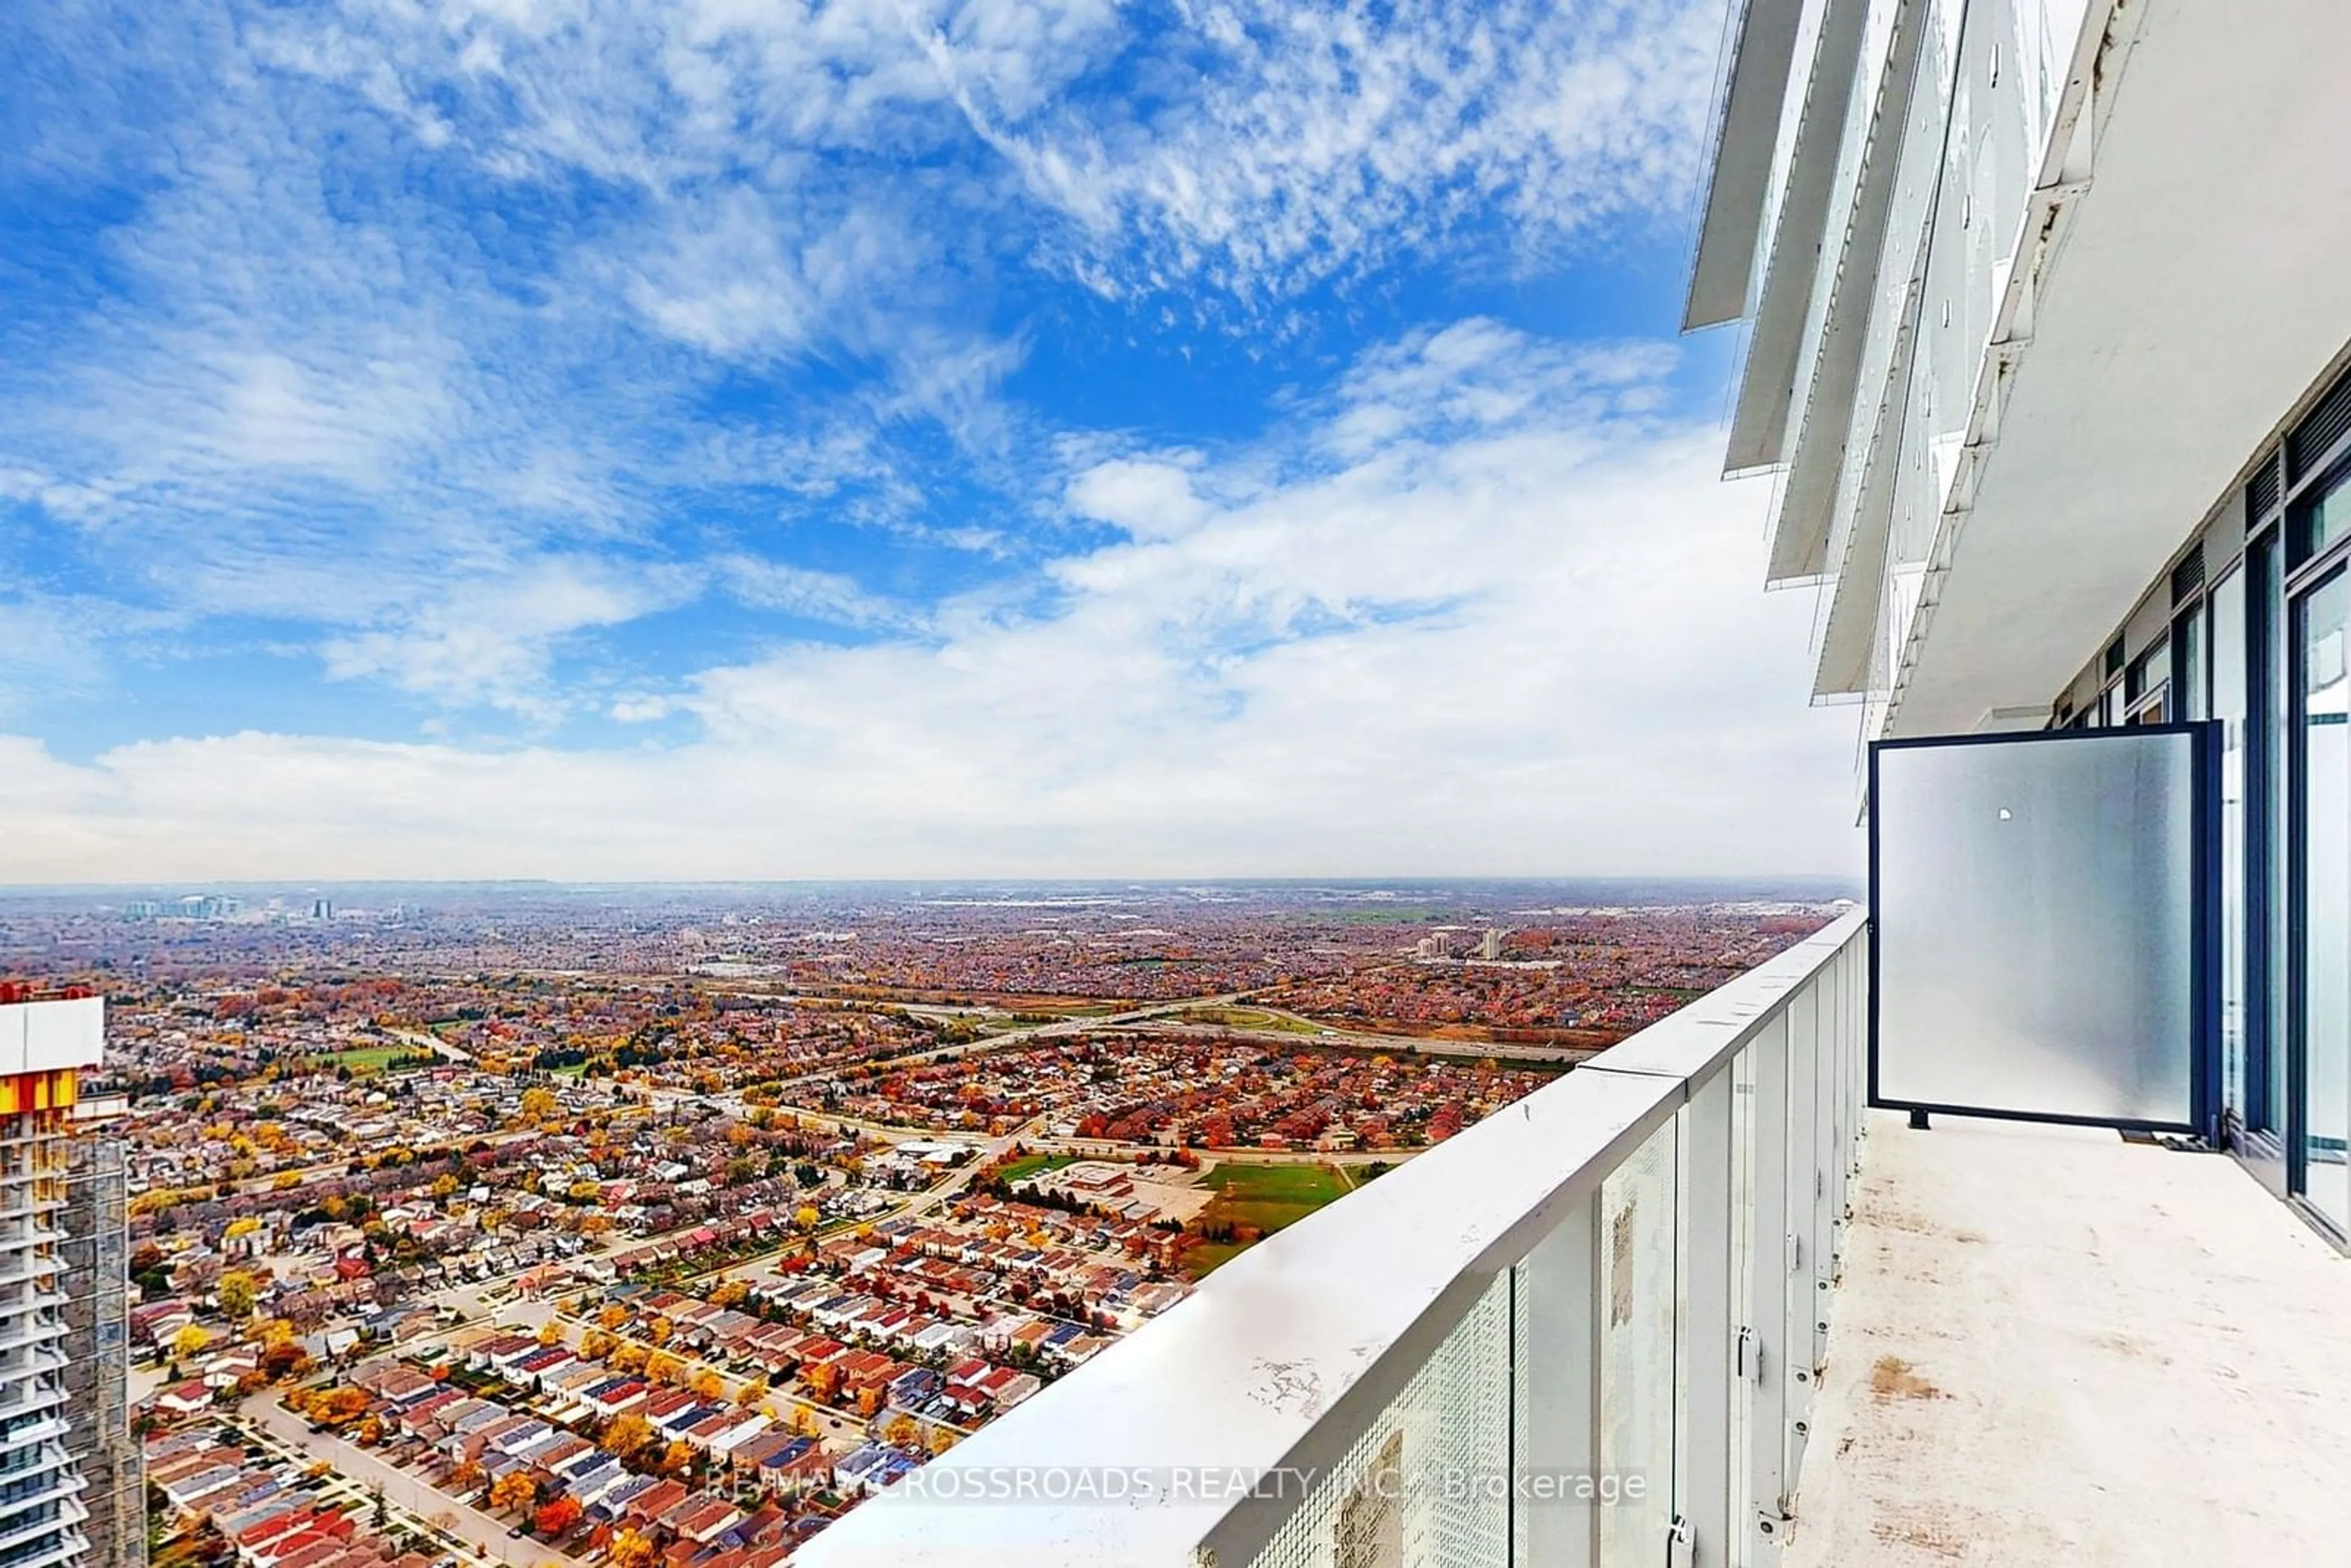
<point x="1681" y="1544"/>
<point x="1795" y="1252"/>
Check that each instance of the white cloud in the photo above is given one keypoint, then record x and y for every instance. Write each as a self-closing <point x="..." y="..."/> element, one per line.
<point x="824" y="595"/>
<point x="490" y="638"/>
<point x="1300" y="142"/>
<point x="1517" y="633"/>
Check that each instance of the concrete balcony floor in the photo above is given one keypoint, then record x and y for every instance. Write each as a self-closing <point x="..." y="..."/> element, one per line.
<point x="2054" y="1347"/>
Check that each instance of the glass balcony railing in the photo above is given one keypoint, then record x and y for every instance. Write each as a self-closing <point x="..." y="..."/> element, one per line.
<point x="1585" y="1330"/>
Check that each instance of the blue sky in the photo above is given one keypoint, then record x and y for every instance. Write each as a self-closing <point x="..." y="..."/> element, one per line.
<point x="563" y="438"/>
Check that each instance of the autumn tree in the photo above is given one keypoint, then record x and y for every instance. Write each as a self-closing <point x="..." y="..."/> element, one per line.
<point x="626" y="1435"/>
<point x="237" y="1292"/>
<point x="709" y="1385"/>
<point x="630" y="1549"/>
<point x="284" y="1358"/>
<point x="538" y="1103"/>
<point x="513" y="1489"/>
<point x="554" y="1518"/>
<point x="190" y="1343"/>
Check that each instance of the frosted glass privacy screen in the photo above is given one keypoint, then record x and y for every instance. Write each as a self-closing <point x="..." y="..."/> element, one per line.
<point x="2035" y="923"/>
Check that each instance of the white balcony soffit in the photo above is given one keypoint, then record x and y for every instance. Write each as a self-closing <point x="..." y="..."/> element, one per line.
<point x="1759" y="420"/>
<point x="1284" y="1355"/>
<point x="1762" y="53"/>
<point x="2199" y="290"/>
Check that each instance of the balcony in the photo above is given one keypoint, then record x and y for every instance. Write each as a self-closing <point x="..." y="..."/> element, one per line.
<point x="2021" y="1304"/>
<point x="1663" y="1312"/>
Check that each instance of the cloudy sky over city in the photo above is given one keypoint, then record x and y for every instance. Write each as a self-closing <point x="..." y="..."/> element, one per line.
<point x="590" y="438"/>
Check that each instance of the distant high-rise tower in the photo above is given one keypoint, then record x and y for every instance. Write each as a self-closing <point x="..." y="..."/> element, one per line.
<point x="46" y="1039"/>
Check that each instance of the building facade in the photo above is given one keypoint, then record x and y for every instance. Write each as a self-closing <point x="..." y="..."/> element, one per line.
<point x="2046" y="356"/>
<point x="97" y="1340"/>
<point x="46" y="1043"/>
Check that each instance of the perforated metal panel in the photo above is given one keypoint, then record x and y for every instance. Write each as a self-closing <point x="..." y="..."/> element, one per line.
<point x="1639" y="1310"/>
<point x="1426" y="1484"/>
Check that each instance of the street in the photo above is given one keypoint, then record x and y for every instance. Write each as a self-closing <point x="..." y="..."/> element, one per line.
<point x="359" y="1472"/>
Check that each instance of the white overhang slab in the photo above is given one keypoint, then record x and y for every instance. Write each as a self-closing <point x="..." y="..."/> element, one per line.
<point x="1801" y="535"/>
<point x="1766" y="386"/>
<point x="2168" y="338"/>
<point x="1762" y="53"/>
<point x="1849" y="640"/>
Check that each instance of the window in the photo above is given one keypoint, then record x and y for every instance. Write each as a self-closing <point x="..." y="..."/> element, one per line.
<point x="2146" y="685"/>
<point x="2192" y="695"/>
<point x="2324" y="518"/>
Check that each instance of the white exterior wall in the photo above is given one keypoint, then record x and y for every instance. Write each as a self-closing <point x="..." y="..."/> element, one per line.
<point x="46" y="1036"/>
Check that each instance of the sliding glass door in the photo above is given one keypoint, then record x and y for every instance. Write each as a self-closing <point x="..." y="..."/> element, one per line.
<point x="2230" y="710"/>
<point x="2319" y="1091"/>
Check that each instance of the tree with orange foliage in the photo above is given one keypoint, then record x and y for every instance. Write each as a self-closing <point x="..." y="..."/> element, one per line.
<point x="554" y="1519"/>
